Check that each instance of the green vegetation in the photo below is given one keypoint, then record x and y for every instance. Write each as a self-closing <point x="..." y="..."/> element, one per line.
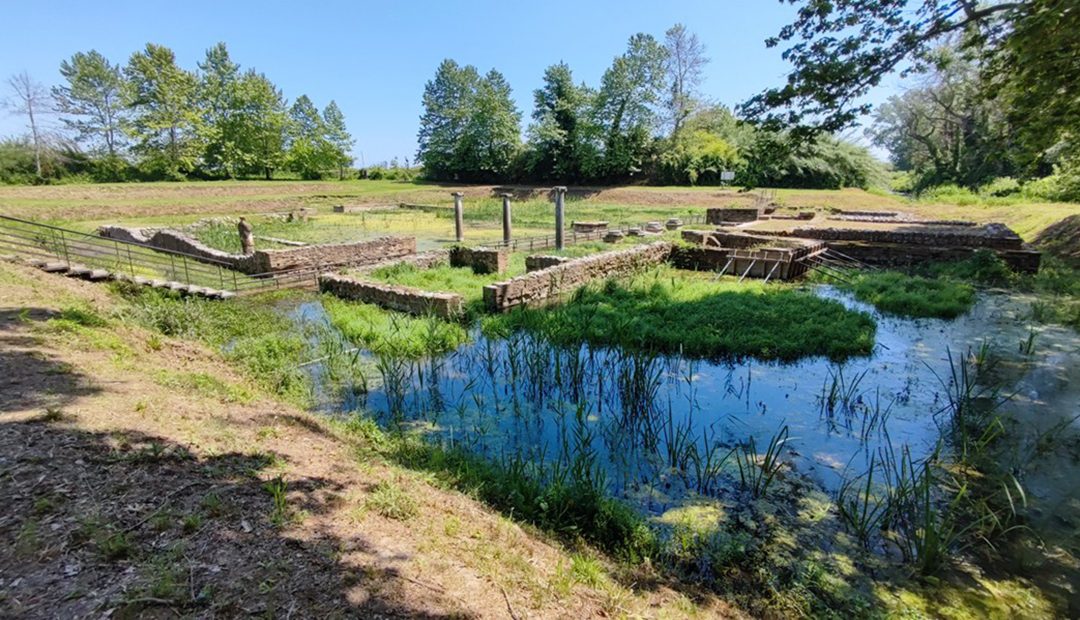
<point x="914" y="296"/>
<point x="399" y="335"/>
<point x="247" y="331"/>
<point x="690" y="313"/>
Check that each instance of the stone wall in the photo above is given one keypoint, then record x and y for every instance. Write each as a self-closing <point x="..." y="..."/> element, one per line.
<point x="723" y="215"/>
<point x="400" y="298"/>
<point x="994" y="236"/>
<point x="546" y="284"/>
<point x="423" y="260"/>
<point x="899" y="255"/>
<point x="536" y="262"/>
<point x="480" y="260"/>
<point x="336" y="254"/>
<point x="266" y="261"/>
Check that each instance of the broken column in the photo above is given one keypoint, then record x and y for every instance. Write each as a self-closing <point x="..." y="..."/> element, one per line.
<point x="247" y="237"/>
<point x="459" y="232"/>
<point x="560" y="193"/>
<point x="507" y="232"/>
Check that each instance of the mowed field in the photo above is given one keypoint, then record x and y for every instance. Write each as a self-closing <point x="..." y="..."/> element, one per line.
<point x="86" y="206"/>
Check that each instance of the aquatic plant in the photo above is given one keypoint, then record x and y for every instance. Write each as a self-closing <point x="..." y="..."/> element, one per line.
<point x="757" y="471"/>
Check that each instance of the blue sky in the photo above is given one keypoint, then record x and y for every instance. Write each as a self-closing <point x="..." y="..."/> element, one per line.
<point x="374" y="58"/>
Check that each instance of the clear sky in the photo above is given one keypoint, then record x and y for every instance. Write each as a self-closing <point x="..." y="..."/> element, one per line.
<point x="373" y="58"/>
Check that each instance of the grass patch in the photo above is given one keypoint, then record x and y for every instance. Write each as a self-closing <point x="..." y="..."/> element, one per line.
<point x="204" y="385"/>
<point x="669" y="311"/>
<point x="390" y="333"/>
<point x="913" y="296"/>
<point x="249" y="332"/>
<point x="391" y="501"/>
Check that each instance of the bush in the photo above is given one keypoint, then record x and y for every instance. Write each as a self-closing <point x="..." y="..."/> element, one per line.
<point x="1000" y="187"/>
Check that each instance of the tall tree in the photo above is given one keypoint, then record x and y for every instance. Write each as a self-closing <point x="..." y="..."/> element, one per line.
<point x="448" y="101"/>
<point x="624" y="108"/>
<point x="843" y="48"/>
<point x="29" y="98"/>
<point x="560" y="128"/>
<point x="309" y="152"/>
<point x="92" y="100"/>
<point x="219" y="77"/>
<point x="260" y="124"/>
<point x="683" y="69"/>
<point x="166" y="117"/>
<point x="337" y="135"/>
<point x="493" y="131"/>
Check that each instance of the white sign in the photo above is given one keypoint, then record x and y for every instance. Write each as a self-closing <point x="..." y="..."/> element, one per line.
<point x="727" y="175"/>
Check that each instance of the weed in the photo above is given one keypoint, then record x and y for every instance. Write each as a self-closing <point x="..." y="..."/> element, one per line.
<point x="278" y="488"/>
<point x="913" y="296"/>
<point x="757" y="472"/>
<point x="53" y="414"/>
<point x="388" y="499"/>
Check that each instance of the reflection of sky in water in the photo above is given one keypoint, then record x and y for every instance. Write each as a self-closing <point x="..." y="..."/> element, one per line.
<point x="523" y="397"/>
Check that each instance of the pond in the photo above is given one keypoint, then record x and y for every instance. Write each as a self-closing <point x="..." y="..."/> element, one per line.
<point x="659" y="431"/>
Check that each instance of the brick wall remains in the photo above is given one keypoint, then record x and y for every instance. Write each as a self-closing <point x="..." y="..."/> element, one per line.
<point x="336" y="254"/>
<point x="546" y="284"/>
<point x="423" y="260"/>
<point x="724" y="215"/>
<point x="995" y="236"/>
<point x="899" y="255"/>
<point x="480" y="260"/>
<point x="400" y="298"/>
<point x="536" y="262"/>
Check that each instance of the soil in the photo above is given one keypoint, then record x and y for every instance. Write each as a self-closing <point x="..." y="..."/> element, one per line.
<point x="124" y="498"/>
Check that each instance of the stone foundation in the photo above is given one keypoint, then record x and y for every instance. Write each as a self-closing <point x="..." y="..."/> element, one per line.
<point x="993" y="236"/>
<point x="480" y="260"/>
<point x="722" y="215"/>
<point x="548" y="284"/>
<point x="423" y="260"/>
<point x="536" y="262"/>
<point x="589" y="227"/>
<point x="898" y="255"/>
<point x="400" y="298"/>
<point x="267" y="261"/>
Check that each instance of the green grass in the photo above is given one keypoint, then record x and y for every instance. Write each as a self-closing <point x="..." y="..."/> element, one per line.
<point x="247" y="331"/>
<point x="390" y="333"/>
<point x="665" y="310"/>
<point x="913" y="296"/>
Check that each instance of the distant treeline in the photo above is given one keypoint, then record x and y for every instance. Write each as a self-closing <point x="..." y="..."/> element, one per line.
<point x="154" y="120"/>
<point x="646" y="121"/>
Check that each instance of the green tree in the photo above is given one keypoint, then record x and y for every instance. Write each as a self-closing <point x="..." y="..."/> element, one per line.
<point x="92" y="101"/>
<point x="493" y="133"/>
<point x="624" y="108"/>
<point x="559" y="135"/>
<point x="337" y="135"/>
<point x="448" y="107"/>
<point x="470" y="129"/>
<point x="165" y="114"/>
<point x="260" y="124"/>
<point x="218" y="83"/>
<point x="310" y="153"/>
<point x="684" y="64"/>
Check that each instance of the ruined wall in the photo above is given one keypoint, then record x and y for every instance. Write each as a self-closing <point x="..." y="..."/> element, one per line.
<point x="725" y="215"/>
<point x="994" y="236"/>
<point x="539" y="286"/>
<point x="423" y="260"/>
<point x="266" y="261"/>
<point x="536" y="262"/>
<point x="899" y="255"/>
<point x="336" y="254"/>
<point x="400" y="298"/>
<point x="480" y="260"/>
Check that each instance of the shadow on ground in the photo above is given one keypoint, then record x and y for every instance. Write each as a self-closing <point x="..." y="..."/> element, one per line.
<point x="138" y="525"/>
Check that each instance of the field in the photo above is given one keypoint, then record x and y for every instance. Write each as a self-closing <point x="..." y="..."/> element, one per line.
<point x="668" y="444"/>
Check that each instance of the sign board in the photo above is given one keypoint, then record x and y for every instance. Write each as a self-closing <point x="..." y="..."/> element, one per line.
<point x="727" y="175"/>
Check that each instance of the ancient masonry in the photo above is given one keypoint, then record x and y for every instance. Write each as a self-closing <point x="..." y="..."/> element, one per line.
<point x="550" y="283"/>
<point x="401" y="298"/>
<point x="745" y="255"/>
<point x="480" y="260"/>
<point x="269" y="261"/>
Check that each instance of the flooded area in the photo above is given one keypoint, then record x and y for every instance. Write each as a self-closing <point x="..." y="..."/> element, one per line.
<point x="659" y="430"/>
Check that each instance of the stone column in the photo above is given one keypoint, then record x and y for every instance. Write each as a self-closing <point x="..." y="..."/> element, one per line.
<point x="507" y="231"/>
<point x="560" y="193"/>
<point x="459" y="226"/>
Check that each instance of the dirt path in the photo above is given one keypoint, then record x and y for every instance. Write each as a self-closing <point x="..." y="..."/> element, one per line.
<point x="127" y="496"/>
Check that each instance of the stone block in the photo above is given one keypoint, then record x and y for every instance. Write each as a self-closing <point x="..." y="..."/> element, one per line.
<point x="400" y="298"/>
<point x="480" y="260"/>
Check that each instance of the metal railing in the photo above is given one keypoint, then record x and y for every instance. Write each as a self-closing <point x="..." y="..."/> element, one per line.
<point x="70" y="248"/>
